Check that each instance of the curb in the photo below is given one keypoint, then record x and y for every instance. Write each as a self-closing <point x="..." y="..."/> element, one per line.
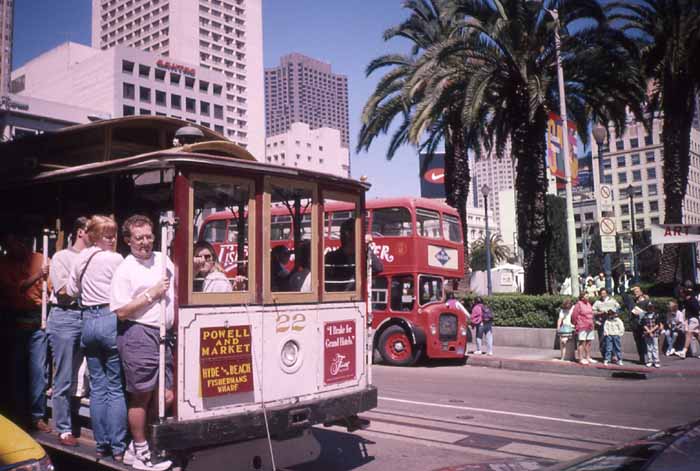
<point x="571" y="368"/>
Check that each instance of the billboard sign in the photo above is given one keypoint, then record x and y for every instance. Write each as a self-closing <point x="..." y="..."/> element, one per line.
<point x="555" y="149"/>
<point x="432" y="171"/>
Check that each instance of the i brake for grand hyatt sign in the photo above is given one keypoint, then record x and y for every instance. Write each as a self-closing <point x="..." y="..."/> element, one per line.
<point x="674" y="234"/>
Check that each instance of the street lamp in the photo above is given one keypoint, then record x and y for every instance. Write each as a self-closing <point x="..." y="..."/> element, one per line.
<point x="570" y="224"/>
<point x="599" y="134"/>
<point x="635" y="275"/>
<point x="485" y="190"/>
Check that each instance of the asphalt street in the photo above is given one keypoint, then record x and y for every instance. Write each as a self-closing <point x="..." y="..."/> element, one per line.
<point x="431" y="418"/>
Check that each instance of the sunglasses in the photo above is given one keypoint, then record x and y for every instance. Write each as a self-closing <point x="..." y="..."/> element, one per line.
<point x="208" y="257"/>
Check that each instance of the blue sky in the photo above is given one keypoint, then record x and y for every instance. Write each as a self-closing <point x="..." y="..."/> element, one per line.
<point x="346" y="34"/>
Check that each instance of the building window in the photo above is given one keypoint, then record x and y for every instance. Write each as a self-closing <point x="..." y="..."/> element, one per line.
<point x="127" y="67"/>
<point x="624" y="209"/>
<point x="175" y="101"/>
<point x="621" y="161"/>
<point x="640" y="224"/>
<point x="160" y="75"/>
<point x="637" y="175"/>
<point x="607" y="179"/>
<point x="651" y="157"/>
<point x="205" y="124"/>
<point x="129" y="91"/>
<point x="174" y="79"/>
<point x="625" y="225"/>
<point x="189" y="82"/>
<point x="651" y="174"/>
<point x="653" y="205"/>
<point x="648" y="140"/>
<point x="606" y="164"/>
<point x="634" y="143"/>
<point x="622" y="177"/>
<point x="203" y="86"/>
<point x="638" y="207"/>
<point x="651" y="189"/>
<point x="144" y="111"/>
<point x="145" y="94"/>
<point x="577" y="217"/>
<point x="218" y="112"/>
<point x="128" y="110"/>
<point x="635" y="159"/>
<point x="218" y="128"/>
<point x="144" y="71"/>
<point x="160" y="98"/>
<point x="204" y="108"/>
<point x="619" y="144"/>
<point x="217" y="90"/>
<point x="655" y="220"/>
<point x="588" y="216"/>
<point x="190" y="105"/>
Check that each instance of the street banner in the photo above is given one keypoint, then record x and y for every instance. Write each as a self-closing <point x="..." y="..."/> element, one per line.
<point x="674" y="234"/>
<point x="432" y="171"/>
<point x="555" y="151"/>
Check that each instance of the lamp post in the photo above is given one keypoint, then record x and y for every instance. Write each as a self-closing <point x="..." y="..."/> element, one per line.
<point x="599" y="134"/>
<point x="485" y="190"/>
<point x="635" y="274"/>
<point x="570" y="224"/>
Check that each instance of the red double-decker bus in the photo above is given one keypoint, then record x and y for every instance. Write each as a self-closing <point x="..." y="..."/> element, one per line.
<point x="418" y="241"/>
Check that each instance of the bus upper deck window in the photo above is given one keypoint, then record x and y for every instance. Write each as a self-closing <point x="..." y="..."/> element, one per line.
<point x="451" y="228"/>
<point x="220" y="264"/>
<point x="290" y="238"/>
<point x="428" y="223"/>
<point x="391" y="222"/>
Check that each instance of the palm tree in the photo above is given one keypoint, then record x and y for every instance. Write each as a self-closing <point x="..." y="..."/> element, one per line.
<point x="424" y="94"/>
<point x="668" y="32"/>
<point x="499" y="252"/>
<point x="512" y="85"/>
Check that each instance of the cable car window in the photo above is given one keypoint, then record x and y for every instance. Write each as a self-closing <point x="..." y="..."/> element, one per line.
<point x="341" y="268"/>
<point x="220" y="265"/>
<point x="391" y="222"/>
<point x="402" y="293"/>
<point x="428" y="223"/>
<point x="451" y="228"/>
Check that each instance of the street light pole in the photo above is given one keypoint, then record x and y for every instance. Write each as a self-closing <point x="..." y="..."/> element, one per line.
<point x="635" y="274"/>
<point x="570" y="224"/>
<point x="485" y="190"/>
<point x="599" y="134"/>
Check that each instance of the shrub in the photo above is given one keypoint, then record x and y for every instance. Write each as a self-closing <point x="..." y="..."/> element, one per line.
<point x="519" y="310"/>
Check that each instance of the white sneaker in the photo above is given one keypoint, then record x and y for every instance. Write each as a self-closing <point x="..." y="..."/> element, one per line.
<point x="592" y="361"/>
<point x="657" y="365"/>
<point x="681" y="354"/>
<point x="671" y="352"/>
<point x="606" y="362"/>
<point x="491" y="353"/>
<point x="129" y="455"/>
<point x="648" y="365"/>
<point x="142" y="460"/>
<point x="583" y="362"/>
<point x="478" y="352"/>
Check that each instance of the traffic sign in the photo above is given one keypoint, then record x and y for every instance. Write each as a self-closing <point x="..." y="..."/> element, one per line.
<point x="607" y="243"/>
<point x="607" y="227"/>
<point x="606" y="198"/>
<point x="605" y="192"/>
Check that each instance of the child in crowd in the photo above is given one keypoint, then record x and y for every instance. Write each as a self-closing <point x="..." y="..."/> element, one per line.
<point x="651" y="328"/>
<point x="614" y="330"/>
<point x="672" y="327"/>
<point x="565" y="328"/>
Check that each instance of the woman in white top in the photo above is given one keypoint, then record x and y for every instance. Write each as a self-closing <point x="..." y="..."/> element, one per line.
<point x="90" y="282"/>
<point x="565" y="328"/>
<point x="209" y="276"/>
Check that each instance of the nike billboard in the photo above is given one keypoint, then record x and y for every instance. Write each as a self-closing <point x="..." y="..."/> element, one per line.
<point x="432" y="171"/>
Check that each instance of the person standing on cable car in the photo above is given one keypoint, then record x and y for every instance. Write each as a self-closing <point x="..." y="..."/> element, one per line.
<point x="64" y="328"/>
<point x="137" y="289"/>
<point x="89" y="284"/>
<point x="340" y="263"/>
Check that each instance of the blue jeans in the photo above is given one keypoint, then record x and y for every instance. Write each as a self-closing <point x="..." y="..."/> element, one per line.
<point x="613" y="346"/>
<point x="32" y="373"/>
<point x="485" y="328"/>
<point x="107" y="403"/>
<point x="64" y="328"/>
<point x="652" y="344"/>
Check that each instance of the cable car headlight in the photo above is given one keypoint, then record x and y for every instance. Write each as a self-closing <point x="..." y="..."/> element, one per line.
<point x="290" y="353"/>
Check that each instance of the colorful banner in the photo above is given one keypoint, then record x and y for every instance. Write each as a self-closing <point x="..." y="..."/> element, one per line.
<point x="555" y="150"/>
<point x="225" y="360"/>
<point x="339" y="340"/>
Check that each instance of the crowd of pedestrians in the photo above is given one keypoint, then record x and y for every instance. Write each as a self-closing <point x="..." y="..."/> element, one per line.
<point x="104" y="308"/>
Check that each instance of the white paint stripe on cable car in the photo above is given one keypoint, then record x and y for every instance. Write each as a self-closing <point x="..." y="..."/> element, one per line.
<point x="516" y="414"/>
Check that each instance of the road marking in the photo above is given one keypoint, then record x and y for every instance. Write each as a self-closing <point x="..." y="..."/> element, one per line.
<point x="540" y="451"/>
<point x="517" y="414"/>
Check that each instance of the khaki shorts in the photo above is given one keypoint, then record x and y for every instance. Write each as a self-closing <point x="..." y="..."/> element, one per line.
<point x="693" y="325"/>
<point x="586" y="335"/>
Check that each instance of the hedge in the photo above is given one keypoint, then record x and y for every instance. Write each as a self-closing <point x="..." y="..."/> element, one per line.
<point x="519" y="310"/>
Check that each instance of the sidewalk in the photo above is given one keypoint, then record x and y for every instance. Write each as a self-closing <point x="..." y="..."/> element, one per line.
<point x="547" y="361"/>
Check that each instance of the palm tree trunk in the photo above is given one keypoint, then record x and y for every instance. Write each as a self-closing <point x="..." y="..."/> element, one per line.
<point x="679" y="107"/>
<point x="457" y="189"/>
<point x="528" y="148"/>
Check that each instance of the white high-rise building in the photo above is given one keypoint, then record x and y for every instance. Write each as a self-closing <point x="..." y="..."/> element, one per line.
<point x="222" y="35"/>
<point x="499" y="175"/>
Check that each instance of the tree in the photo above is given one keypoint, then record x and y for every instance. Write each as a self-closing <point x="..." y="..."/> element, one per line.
<point x="668" y="34"/>
<point x="512" y="86"/>
<point x="499" y="252"/>
<point x="557" y="243"/>
<point x="426" y="96"/>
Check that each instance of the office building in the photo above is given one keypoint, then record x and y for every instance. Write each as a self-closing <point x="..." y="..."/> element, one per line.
<point x="223" y="36"/>
<point x="6" y="24"/>
<point x="499" y="175"/>
<point x="302" y="89"/>
<point x="124" y="81"/>
<point x="320" y="150"/>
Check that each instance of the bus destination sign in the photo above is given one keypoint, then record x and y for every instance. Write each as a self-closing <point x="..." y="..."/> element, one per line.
<point x="225" y="360"/>
<point x="339" y="351"/>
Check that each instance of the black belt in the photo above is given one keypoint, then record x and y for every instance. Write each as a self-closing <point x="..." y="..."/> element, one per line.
<point x="73" y="307"/>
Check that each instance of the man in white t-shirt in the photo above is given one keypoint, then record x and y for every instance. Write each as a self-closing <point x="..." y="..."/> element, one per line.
<point x="137" y="289"/>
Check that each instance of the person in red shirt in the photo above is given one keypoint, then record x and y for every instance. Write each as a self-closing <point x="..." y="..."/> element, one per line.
<point x="582" y="319"/>
<point x="21" y="276"/>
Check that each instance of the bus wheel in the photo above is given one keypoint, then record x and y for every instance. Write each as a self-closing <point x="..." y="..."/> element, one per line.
<point x="396" y="348"/>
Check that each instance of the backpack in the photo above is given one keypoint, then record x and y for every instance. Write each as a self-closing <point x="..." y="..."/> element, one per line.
<point x="486" y="314"/>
